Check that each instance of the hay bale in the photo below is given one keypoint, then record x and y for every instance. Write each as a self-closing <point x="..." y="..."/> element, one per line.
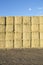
<point x="18" y="44"/>
<point x="35" y="28"/>
<point x="26" y="20"/>
<point x="2" y="20"/>
<point x="2" y="28"/>
<point x="35" y="43"/>
<point x="35" y="35"/>
<point x="18" y="36"/>
<point x="18" y="28"/>
<point x="41" y="43"/>
<point x="35" y="20"/>
<point x="18" y="20"/>
<point x="41" y="35"/>
<point x="26" y="43"/>
<point x="9" y="36"/>
<point x="41" y="19"/>
<point x="41" y="27"/>
<point x="26" y="36"/>
<point x="26" y="28"/>
<point x="9" y="28"/>
<point x="2" y="44"/>
<point x="2" y="36"/>
<point x="9" y="20"/>
<point x="9" y="44"/>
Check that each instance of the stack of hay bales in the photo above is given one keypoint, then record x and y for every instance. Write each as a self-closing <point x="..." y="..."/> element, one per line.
<point x="41" y="31"/>
<point x="35" y="32"/>
<point x="9" y="32"/>
<point x="18" y="32"/>
<point x="26" y="32"/>
<point x="2" y="32"/>
<point x="21" y="32"/>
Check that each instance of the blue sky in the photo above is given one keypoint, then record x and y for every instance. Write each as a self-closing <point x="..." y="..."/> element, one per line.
<point x="21" y="7"/>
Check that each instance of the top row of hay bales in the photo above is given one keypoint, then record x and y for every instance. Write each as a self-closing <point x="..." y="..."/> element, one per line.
<point x="21" y="19"/>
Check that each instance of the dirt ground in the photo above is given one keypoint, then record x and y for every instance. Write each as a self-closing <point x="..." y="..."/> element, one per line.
<point x="21" y="57"/>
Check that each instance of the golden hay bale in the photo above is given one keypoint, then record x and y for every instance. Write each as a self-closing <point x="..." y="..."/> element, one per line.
<point x="35" y="20"/>
<point x="9" y="28"/>
<point x="2" y="20"/>
<point x="41" y="27"/>
<point x="41" y="43"/>
<point x="35" y="35"/>
<point x="2" y="28"/>
<point x="18" y="36"/>
<point x="18" y="44"/>
<point x="26" y="43"/>
<point x="18" y="28"/>
<point x="9" y="20"/>
<point x="26" y="36"/>
<point x="26" y="20"/>
<point x="18" y="20"/>
<point x="26" y="28"/>
<point x="35" y="43"/>
<point x="2" y="36"/>
<point x="41" y="19"/>
<point x="2" y="44"/>
<point x="35" y="28"/>
<point x="41" y="35"/>
<point x="9" y="36"/>
<point x="9" y="44"/>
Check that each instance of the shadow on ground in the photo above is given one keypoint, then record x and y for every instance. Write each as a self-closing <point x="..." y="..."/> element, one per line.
<point x="21" y="57"/>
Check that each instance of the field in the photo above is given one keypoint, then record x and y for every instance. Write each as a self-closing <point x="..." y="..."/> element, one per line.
<point x="21" y="57"/>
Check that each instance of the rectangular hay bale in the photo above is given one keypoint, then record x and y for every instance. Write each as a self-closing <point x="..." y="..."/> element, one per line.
<point x="2" y="44"/>
<point x="41" y="35"/>
<point x="9" y="44"/>
<point x="18" y="20"/>
<point x="26" y="20"/>
<point x="18" y="44"/>
<point x="35" y="35"/>
<point x="2" y="36"/>
<point x="41" y="43"/>
<point x="26" y="43"/>
<point x="41" y="19"/>
<point x="35" y="28"/>
<point x="35" y="43"/>
<point x="9" y="20"/>
<point x="26" y="28"/>
<point x="18" y="36"/>
<point x="35" y="20"/>
<point x="2" y="28"/>
<point x="41" y="27"/>
<point x="18" y="28"/>
<point x="9" y="28"/>
<point x="9" y="36"/>
<point x="2" y="20"/>
<point x="26" y="36"/>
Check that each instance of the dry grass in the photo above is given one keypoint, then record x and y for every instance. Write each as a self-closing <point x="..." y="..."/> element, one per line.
<point x="21" y="57"/>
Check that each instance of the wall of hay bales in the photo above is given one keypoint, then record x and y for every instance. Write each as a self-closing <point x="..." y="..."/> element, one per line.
<point x="21" y="32"/>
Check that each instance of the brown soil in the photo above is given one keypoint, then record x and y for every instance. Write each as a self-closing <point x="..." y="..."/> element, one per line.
<point x="21" y="57"/>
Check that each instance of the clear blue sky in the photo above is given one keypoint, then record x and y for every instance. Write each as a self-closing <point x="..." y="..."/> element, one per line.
<point x="21" y="7"/>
